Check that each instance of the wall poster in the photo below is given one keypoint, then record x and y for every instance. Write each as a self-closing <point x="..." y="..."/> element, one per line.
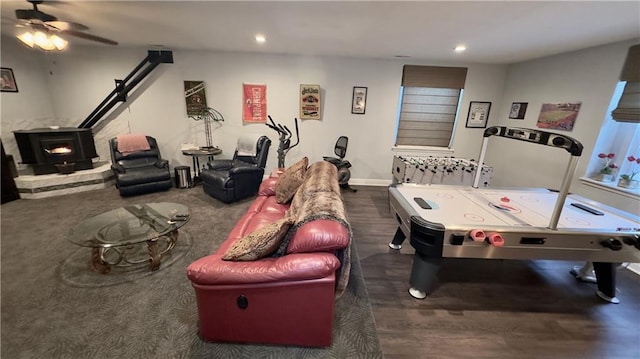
<point x="359" y="100"/>
<point x="7" y="80"/>
<point x="195" y="97"/>
<point x="254" y="103"/>
<point x="518" y="110"/>
<point x="478" y="114"/>
<point x="309" y="102"/>
<point x="558" y="116"/>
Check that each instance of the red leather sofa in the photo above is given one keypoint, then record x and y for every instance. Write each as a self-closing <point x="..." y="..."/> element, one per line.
<point x="285" y="300"/>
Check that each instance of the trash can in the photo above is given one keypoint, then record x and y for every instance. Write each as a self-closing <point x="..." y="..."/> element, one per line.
<point x="183" y="177"/>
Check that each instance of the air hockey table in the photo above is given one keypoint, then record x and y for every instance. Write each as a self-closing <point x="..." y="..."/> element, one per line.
<point x="443" y="221"/>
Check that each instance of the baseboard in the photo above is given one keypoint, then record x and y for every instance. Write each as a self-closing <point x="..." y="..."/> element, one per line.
<point x="369" y="182"/>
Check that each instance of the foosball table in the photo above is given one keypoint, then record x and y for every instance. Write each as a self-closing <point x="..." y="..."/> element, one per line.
<point x="427" y="170"/>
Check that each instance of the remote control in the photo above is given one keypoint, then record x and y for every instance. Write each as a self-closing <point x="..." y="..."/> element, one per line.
<point x="422" y="203"/>
<point x="588" y="209"/>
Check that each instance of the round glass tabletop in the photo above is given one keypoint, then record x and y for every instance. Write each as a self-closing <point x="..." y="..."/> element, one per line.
<point x="130" y="224"/>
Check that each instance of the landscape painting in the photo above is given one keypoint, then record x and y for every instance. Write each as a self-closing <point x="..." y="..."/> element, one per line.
<point x="559" y="116"/>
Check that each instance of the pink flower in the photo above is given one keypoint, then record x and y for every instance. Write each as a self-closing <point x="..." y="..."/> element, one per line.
<point x="608" y="164"/>
<point x="633" y="170"/>
<point x="604" y="155"/>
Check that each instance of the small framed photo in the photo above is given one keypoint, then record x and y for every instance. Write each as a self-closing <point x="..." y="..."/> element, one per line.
<point x="478" y="114"/>
<point x="518" y="109"/>
<point x="359" y="100"/>
<point x="7" y="80"/>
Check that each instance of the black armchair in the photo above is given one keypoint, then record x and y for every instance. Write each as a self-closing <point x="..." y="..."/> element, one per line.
<point x="240" y="177"/>
<point x="141" y="171"/>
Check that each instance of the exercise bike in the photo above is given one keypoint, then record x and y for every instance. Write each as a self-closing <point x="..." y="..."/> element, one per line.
<point x="344" y="173"/>
<point x="285" y="139"/>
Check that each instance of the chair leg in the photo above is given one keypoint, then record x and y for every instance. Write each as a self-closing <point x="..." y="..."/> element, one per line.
<point x="347" y="187"/>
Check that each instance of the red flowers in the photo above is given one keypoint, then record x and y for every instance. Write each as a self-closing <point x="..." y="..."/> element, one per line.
<point x="633" y="170"/>
<point x="633" y="159"/>
<point x="609" y="166"/>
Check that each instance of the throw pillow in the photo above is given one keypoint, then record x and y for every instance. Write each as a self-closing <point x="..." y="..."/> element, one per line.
<point x="260" y="243"/>
<point x="290" y="180"/>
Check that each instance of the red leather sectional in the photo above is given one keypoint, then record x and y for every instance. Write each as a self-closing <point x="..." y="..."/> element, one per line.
<point x="286" y="300"/>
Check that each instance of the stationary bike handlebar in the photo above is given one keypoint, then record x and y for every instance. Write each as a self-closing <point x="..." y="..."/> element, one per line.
<point x="285" y="139"/>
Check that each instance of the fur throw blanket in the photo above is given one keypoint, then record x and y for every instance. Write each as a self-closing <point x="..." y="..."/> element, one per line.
<point x="319" y="197"/>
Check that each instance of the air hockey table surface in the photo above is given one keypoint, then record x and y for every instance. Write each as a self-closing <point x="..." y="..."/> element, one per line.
<point x="529" y="208"/>
<point x="444" y="221"/>
<point x="509" y="223"/>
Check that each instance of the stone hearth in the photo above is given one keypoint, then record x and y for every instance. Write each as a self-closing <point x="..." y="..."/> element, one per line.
<point x="50" y="185"/>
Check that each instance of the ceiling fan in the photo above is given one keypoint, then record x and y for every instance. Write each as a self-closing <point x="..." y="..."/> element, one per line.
<point x="38" y="24"/>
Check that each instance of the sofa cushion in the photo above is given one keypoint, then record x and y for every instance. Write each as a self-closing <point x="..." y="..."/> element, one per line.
<point x="259" y="243"/>
<point x="290" y="180"/>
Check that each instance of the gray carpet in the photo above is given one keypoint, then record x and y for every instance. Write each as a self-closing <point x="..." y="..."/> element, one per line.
<point x="54" y="306"/>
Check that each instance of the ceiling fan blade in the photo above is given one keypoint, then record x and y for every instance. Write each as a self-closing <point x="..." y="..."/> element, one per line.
<point x="67" y="25"/>
<point x="34" y="14"/>
<point x="89" y="37"/>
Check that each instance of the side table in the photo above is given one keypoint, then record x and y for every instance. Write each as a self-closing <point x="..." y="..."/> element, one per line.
<point x="196" y="154"/>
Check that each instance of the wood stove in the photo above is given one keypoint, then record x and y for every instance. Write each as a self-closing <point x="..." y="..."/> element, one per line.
<point x="43" y="148"/>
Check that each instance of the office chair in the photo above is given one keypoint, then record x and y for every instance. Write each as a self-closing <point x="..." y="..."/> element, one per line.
<point x="344" y="174"/>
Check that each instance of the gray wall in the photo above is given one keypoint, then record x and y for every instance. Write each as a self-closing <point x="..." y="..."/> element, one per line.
<point x="75" y="81"/>
<point x="588" y="76"/>
<point x="62" y="89"/>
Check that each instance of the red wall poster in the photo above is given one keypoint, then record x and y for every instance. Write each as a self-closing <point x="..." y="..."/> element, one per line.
<point x="254" y="99"/>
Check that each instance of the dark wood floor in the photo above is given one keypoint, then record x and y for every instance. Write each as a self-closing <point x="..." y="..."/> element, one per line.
<point x="487" y="308"/>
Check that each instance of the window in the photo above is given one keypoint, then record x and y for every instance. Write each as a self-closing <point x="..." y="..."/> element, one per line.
<point x="620" y="132"/>
<point x="430" y="98"/>
<point x="619" y="138"/>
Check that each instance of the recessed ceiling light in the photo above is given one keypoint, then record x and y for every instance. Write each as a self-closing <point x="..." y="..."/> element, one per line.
<point x="260" y="39"/>
<point x="460" y="48"/>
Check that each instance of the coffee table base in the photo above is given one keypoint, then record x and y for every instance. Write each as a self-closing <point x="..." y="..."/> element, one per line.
<point x="101" y="264"/>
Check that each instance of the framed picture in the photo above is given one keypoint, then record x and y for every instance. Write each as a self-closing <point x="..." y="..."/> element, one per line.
<point x="309" y="102"/>
<point x="478" y="114"/>
<point x="359" y="100"/>
<point x="518" y="109"/>
<point x="195" y="97"/>
<point x="558" y="116"/>
<point x="7" y="80"/>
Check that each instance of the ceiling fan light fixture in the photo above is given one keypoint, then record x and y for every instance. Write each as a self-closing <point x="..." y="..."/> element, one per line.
<point x="26" y="38"/>
<point x="59" y="42"/>
<point x="43" y="40"/>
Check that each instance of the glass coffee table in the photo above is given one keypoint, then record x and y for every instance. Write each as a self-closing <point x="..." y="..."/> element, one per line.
<point x="118" y="237"/>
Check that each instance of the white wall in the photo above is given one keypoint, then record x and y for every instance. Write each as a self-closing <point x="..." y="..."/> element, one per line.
<point x="31" y="106"/>
<point x="77" y="80"/>
<point x="62" y="89"/>
<point x="588" y="76"/>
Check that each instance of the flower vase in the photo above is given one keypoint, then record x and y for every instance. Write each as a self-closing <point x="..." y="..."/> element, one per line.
<point x="602" y="177"/>
<point x="628" y="183"/>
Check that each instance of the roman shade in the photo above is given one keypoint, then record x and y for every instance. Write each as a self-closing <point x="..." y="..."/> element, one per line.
<point x="434" y="76"/>
<point x="628" y="109"/>
<point x="430" y="97"/>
